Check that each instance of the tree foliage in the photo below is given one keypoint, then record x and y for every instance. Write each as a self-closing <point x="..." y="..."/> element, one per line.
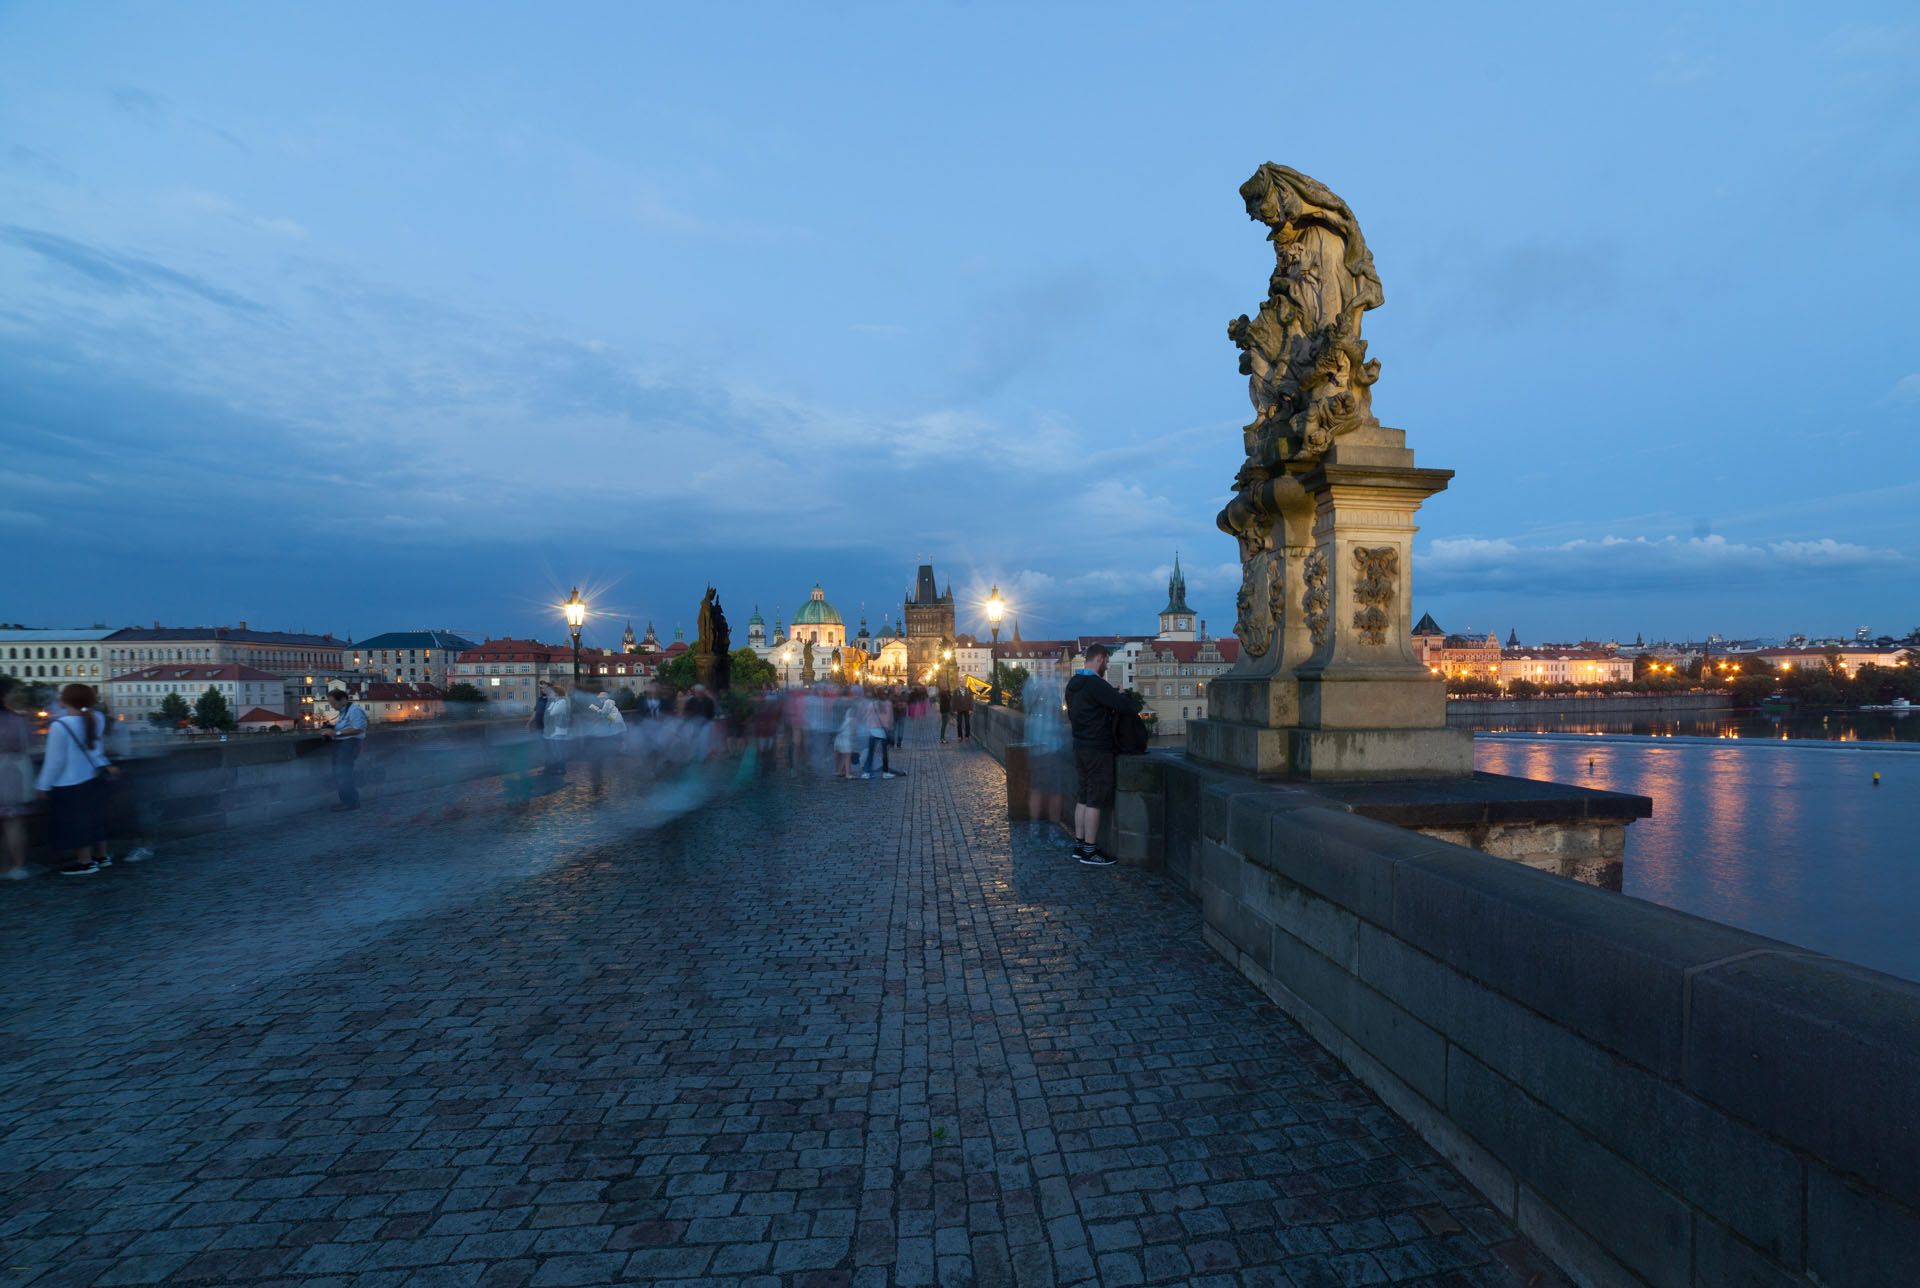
<point x="464" y="692"/>
<point x="173" y="713"/>
<point x="751" y="673"/>
<point x="678" y="674"/>
<point x="211" y="711"/>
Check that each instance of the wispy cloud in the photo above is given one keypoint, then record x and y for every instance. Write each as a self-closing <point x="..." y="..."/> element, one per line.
<point x="156" y="111"/>
<point x="119" y="272"/>
<point x="1585" y="567"/>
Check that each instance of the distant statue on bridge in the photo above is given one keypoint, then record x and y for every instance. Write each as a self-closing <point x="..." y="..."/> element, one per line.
<point x="713" y="645"/>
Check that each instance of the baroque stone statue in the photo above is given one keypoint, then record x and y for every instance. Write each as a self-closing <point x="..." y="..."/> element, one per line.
<point x="1307" y="367"/>
<point x="1327" y="685"/>
<point x="1308" y="374"/>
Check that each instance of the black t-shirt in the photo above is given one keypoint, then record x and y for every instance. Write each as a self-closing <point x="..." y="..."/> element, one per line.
<point x="1091" y="702"/>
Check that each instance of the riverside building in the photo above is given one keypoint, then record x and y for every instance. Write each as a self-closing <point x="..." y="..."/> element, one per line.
<point x="54" y="657"/>
<point x="410" y="657"/>
<point x="280" y="652"/>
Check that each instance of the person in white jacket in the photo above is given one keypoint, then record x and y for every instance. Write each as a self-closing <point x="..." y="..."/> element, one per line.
<point x="72" y="780"/>
<point x="556" y="726"/>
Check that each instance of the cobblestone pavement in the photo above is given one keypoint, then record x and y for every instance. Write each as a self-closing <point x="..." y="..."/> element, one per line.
<point x="806" y="1033"/>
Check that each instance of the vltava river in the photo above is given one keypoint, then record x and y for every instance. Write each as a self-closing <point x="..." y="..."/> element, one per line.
<point x="1773" y="826"/>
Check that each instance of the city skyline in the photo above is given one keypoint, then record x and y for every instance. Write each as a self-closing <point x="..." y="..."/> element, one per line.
<point x="922" y="287"/>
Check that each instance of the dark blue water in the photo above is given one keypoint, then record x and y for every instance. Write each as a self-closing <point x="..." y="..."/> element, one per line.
<point x="1786" y="836"/>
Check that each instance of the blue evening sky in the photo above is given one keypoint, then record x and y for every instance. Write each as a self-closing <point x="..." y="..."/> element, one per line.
<point x="373" y="317"/>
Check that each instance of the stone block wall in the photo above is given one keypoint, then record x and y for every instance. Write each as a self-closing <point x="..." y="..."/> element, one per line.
<point x="207" y="786"/>
<point x="1654" y="1098"/>
<point x="1133" y="831"/>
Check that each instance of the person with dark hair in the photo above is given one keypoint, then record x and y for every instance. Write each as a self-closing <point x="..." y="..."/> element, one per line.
<point x="71" y="780"/>
<point x="1091" y="706"/>
<point x="963" y="714"/>
<point x="16" y="776"/>
<point x="946" y="710"/>
<point x="348" y="734"/>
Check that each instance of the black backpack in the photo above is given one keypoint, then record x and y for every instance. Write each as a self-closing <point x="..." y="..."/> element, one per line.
<point x="1129" y="733"/>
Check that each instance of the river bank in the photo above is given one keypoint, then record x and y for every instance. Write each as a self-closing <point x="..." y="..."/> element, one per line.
<point x="1475" y="711"/>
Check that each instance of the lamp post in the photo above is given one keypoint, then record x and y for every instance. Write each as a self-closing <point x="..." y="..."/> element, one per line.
<point x="996" y="609"/>
<point x="576" y="610"/>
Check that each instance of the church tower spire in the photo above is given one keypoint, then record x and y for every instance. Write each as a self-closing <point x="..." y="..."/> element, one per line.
<point x="1176" y="619"/>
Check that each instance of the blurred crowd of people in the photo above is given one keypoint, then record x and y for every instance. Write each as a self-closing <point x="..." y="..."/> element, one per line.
<point x="845" y="732"/>
<point x="72" y="786"/>
<point x="687" y="744"/>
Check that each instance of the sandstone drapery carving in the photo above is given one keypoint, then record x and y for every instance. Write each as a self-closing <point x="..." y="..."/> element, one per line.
<point x="1379" y="574"/>
<point x="1262" y="601"/>
<point x="1308" y="373"/>
<point x="1313" y="603"/>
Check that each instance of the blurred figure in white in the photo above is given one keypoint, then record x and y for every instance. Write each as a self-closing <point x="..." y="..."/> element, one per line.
<point x="556" y="723"/>
<point x="1049" y="771"/>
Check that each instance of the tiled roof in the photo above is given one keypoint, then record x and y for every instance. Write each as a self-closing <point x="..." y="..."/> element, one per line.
<point x="34" y="634"/>
<point x="393" y="640"/>
<point x="260" y="715"/>
<point x="174" y="671"/>
<point x="512" y="650"/>
<point x="232" y="634"/>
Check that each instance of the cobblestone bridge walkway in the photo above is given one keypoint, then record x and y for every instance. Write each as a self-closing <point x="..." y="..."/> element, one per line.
<point x="810" y="1032"/>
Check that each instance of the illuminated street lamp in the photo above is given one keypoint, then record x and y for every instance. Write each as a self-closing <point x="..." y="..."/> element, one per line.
<point x="576" y="610"/>
<point x="996" y="609"/>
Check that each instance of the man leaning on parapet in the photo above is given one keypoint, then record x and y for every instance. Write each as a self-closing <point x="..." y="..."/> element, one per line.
<point x="348" y="734"/>
<point x="1092" y="704"/>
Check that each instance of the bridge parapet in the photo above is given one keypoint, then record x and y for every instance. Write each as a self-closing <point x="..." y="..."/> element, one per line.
<point x="1653" y="1097"/>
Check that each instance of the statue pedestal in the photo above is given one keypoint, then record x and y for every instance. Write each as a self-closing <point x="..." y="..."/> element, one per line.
<point x="1380" y="729"/>
<point x="1328" y="687"/>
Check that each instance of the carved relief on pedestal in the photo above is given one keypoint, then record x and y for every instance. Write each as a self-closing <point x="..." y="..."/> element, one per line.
<point x="1379" y="577"/>
<point x="1262" y="601"/>
<point x="1314" y="603"/>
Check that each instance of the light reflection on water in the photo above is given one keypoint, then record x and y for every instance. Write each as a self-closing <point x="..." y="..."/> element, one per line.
<point x="1787" y="839"/>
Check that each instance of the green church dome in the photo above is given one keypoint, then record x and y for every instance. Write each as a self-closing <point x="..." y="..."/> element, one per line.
<point x="817" y="611"/>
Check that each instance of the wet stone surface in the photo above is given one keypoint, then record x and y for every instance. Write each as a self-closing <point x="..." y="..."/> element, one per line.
<point x="796" y="1032"/>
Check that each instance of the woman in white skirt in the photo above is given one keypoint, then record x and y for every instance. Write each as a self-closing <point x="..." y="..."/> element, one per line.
<point x="73" y="780"/>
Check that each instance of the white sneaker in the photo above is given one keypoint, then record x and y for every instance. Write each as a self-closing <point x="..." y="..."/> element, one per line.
<point x="864" y="777"/>
<point x="140" y="855"/>
<point x="889" y="775"/>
